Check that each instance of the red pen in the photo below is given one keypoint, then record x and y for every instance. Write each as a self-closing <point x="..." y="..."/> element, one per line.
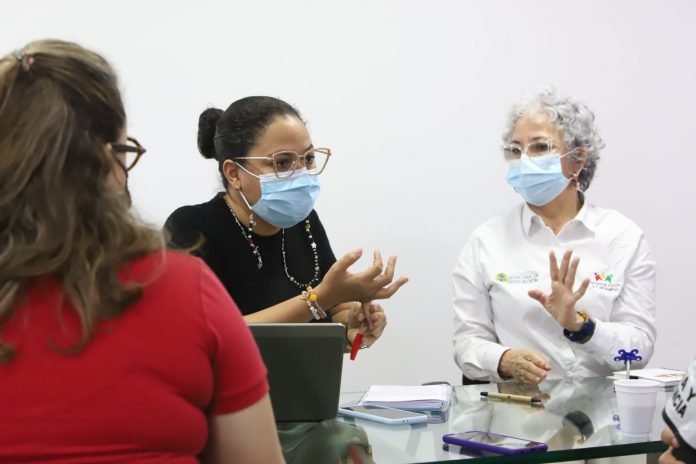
<point x="357" y="342"/>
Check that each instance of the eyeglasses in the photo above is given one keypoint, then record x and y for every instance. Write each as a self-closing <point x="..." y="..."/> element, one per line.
<point x="133" y="151"/>
<point x="286" y="162"/>
<point x="539" y="147"/>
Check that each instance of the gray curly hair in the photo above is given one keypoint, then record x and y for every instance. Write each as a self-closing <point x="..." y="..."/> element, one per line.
<point x="571" y="117"/>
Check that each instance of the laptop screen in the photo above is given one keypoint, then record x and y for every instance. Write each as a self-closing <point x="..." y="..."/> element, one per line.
<point x="304" y="363"/>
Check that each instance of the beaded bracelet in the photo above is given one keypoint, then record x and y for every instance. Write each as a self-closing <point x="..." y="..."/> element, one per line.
<point x="311" y="299"/>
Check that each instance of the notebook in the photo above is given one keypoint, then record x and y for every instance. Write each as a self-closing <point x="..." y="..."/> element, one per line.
<point x="304" y="363"/>
<point x="409" y="398"/>
<point x="667" y="377"/>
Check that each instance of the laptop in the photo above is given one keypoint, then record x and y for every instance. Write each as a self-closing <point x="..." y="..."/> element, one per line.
<point x="304" y="363"/>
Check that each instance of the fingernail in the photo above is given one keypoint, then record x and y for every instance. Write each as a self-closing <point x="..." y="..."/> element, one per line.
<point x="358" y="251"/>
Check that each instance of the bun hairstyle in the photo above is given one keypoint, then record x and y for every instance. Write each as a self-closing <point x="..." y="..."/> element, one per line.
<point x="207" y="123"/>
<point x="229" y="134"/>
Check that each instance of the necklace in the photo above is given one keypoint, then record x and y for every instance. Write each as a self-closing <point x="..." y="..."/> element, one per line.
<point x="248" y="236"/>
<point x="247" y="233"/>
<point x="315" y="278"/>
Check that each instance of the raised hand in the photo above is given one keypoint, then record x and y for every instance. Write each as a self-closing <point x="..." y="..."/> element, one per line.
<point x="374" y="283"/>
<point x="560" y="303"/>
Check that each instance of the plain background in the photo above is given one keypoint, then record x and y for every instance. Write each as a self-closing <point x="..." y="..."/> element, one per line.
<point x="412" y="98"/>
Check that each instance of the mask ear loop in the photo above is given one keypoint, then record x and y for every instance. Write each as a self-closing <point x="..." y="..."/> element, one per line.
<point x="576" y="176"/>
<point x="252" y="222"/>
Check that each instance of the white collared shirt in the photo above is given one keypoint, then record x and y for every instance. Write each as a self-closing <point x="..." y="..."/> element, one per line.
<point x="509" y="255"/>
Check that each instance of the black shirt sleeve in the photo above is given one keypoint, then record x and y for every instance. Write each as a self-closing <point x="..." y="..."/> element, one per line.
<point x="187" y="231"/>
<point x="183" y="227"/>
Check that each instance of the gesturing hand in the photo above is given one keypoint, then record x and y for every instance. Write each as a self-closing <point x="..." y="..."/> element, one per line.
<point x="374" y="283"/>
<point x="523" y="365"/>
<point x="561" y="302"/>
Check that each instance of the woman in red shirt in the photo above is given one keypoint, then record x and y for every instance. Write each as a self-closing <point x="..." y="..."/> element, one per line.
<point x="111" y="348"/>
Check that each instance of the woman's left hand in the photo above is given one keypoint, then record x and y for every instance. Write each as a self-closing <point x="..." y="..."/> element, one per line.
<point x="561" y="302"/>
<point x="374" y="320"/>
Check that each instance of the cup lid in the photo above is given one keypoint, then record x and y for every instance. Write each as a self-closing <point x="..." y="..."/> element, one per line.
<point x="636" y="384"/>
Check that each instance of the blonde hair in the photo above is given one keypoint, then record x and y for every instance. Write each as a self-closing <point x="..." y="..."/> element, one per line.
<point x="59" y="215"/>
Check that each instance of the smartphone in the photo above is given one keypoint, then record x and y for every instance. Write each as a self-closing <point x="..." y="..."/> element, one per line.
<point x="383" y="414"/>
<point x="486" y="441"/>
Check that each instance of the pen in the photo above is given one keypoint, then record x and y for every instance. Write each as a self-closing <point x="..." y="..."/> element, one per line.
<point x="517" y="398"/>
<point x="357" y="342"/>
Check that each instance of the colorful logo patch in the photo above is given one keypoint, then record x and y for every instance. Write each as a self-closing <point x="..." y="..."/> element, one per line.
<point x="602" y="277"/>
<point x="604" y="281"/>
<point x="523" y="277"/>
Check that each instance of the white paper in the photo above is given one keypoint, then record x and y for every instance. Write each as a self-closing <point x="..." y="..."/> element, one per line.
<point x="421" y="397"/>
<point x="665" y="376"/>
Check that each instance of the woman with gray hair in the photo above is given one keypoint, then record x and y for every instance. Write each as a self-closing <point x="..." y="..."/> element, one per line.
<point x="506" y="325"/>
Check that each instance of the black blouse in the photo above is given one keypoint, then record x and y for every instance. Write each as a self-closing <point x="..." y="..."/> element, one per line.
<point x="230" y="256"/>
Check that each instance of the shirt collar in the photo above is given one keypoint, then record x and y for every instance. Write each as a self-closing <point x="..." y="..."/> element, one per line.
<point x="532" y="223"/>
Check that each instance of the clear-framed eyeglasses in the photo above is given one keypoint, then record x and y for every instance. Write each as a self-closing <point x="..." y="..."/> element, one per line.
<point x="285" y="163"/>
<point x="538" y="147"/>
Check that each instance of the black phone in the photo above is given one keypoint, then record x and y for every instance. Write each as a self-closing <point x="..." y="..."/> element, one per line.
<point x="493" y="442"/>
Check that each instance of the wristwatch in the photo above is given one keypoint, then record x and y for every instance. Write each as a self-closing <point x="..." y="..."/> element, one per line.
<point x="586" y="330"/>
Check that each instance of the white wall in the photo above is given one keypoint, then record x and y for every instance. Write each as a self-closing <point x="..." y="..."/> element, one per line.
<point x="411" y="97"/>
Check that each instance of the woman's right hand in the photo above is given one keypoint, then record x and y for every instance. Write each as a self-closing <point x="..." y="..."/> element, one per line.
<point x="374" y="283"/>
<point x="523" y="365"/>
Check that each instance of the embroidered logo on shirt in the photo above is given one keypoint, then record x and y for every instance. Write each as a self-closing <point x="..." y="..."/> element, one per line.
<point x="523" y="277"/>
<point x="604" y="281"/>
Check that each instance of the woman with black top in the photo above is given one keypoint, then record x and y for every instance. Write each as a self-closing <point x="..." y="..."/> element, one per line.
<point x="262" y="237"/>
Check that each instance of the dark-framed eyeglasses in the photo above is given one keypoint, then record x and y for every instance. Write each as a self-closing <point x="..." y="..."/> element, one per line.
<point x="132" y="149"/>
<point x="286" y="162"/>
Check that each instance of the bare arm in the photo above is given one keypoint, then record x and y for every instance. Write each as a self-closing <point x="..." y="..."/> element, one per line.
<point x="247" y="436"/>
<point x="292" y="310"/>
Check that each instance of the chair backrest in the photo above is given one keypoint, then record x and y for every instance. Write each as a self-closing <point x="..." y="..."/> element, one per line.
<point x="467" y="381"/>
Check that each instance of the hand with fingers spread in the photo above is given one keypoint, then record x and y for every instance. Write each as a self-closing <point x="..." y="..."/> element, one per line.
<point x="560" y="303"/>
<point x="374" y="283"/>
<point x="523" y="365"/>
<point x="374" y="318"/>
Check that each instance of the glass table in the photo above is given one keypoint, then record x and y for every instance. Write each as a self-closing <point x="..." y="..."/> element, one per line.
<point x="578" y="420"/>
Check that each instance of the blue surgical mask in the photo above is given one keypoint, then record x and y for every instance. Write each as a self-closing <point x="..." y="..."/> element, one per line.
<point x="285" y="202"/>
<point x="538" y="179"/>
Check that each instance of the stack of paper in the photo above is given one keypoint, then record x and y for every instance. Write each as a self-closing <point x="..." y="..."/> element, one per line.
<point x="668" y="377"/>
<point x="410" y="398"/>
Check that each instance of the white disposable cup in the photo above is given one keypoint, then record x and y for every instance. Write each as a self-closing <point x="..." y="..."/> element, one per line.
<point x="636" y="399"/>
